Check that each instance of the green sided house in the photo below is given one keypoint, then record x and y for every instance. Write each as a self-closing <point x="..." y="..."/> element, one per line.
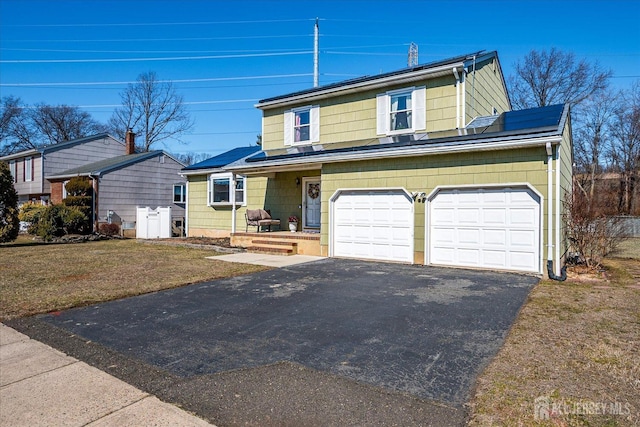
<point x="424" y="165"/>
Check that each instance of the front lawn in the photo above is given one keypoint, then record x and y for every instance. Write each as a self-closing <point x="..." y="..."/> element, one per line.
<point x="39" y="278"/>
<point x="576" y="348"/>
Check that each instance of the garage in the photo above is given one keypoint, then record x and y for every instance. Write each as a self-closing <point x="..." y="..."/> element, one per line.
<point x="496" y="228"/>
<point x="372" y="224"/>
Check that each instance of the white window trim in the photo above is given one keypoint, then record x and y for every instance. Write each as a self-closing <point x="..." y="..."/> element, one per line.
<point x="183" y="193"/>
<point x="314" y="125"/>
<point x="28" y="169"/>
<point x="418" y="110"/>
<point x="13" y="171"/>
<point x="228" y="176"/>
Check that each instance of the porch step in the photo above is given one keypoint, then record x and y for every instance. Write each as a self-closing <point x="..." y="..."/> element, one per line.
<point x="273" y="247"/>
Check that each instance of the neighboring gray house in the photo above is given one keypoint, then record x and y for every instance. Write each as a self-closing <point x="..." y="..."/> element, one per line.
<point x="125" y="182"/>
<point x="30" y="168"/>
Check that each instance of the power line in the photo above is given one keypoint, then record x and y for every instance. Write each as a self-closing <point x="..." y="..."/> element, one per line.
<point x="152" y="24"/>
<point x="213" y="79"/>
<point x="175" y="58"/>
<point x="159" y="40"/>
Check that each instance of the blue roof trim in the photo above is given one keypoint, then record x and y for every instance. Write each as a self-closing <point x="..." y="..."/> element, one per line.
<point x="225" y="158"/>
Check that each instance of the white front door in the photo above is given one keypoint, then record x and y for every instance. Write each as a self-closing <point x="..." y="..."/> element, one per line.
<point x="311" y="203"/>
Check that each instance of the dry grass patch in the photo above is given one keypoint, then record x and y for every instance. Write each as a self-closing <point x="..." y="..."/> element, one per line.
<point x="576" y="343"/>
<point x="41" y="278"/>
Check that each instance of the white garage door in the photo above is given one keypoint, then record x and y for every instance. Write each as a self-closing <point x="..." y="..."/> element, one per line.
<point x="373" y="225"/>
<point x="488" y="228"/>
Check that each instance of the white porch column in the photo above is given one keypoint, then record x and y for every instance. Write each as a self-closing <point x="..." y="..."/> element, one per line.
<point x="232" y="189"/>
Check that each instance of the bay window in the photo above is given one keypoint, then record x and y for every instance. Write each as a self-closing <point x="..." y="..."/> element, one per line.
<point x="219" y="191"/>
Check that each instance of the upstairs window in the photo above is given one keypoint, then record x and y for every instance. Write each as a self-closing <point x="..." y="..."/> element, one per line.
<point x="401" y="111"/>
<point x="28" y="169"/>
<point x="302" y="125"/>
<point x="12" y="169"/>
<point x="220" y="189"/>
<point x="179" y="193"/>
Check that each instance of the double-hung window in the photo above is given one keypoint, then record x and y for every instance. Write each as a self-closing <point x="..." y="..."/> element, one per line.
<point x="12" y="169"/>
<point x="219" y="192"/>
<point x="179" y="193"/>
<point x="401" y="111"/>
<point x="302" y="125"/>
<point x="28" y="169"/>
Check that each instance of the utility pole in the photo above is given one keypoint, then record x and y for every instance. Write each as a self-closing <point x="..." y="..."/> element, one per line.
<point x="412" y="61"/>
<point x="315" y="54"/>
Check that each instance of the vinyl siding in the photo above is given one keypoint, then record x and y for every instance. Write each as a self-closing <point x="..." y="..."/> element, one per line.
<point x="33" y="187"/>
<point x="426" y="173"/>
<point x="147" y="183"/>
<point x="485" y="91"/>
<point x="216" y="220"/>
<point x="353" y="117"/>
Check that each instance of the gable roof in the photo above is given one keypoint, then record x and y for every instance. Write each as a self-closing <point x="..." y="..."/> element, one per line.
<point x="432" y="69"/>
<point x="105" y="166"/>
<point x="511" y="129"/>
<point x="61" y="146"/>
<point x="221" y="160"/>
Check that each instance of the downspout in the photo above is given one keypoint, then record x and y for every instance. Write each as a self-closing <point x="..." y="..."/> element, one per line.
<point x="550" y="271"/>
<point x="186" y="208"/>
<point x="558" y="213"/>
<point x="94" y="207"/>
<point x="232" y="189"/>
<point x="473" y="88"/>
<point x="457" y="76"/>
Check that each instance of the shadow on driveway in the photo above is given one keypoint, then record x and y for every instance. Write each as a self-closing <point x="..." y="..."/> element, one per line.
<point x="366" y="335"/>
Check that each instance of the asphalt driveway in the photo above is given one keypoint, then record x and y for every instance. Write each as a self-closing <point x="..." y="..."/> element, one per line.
<point x="418" y="333"/>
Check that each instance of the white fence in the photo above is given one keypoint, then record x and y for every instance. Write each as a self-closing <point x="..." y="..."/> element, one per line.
<point x="153" y="223"/>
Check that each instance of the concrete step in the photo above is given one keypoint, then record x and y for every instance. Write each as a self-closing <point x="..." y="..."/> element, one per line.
<point x="268" y="242"/>
<point x="273" y="250"/>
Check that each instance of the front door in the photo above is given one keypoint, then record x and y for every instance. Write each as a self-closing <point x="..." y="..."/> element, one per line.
<point x="311" y="203"/>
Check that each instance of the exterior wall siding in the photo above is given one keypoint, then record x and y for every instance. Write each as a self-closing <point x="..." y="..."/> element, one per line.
<point x="147" y="183"/>
<point x="425" y="173"/>
<point x="215" y="221"/>
<point x="28" y="188"/>
<point x="353" y="117"/>
<point x="485" y="91"/>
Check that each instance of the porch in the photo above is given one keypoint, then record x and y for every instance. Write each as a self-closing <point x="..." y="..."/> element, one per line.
<point x="279" y="242"/>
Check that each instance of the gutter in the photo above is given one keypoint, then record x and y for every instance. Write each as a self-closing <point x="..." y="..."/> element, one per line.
<point x="550" y="247"/>
<point x="498" y="144"/>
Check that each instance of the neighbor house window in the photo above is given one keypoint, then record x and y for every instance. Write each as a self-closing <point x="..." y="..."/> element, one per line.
<point x="401" y="111"/>
<point x="28" y="169"/>
<point x="12" y="169"/>
<point x="220" y="189"/>
<point x="302" y="125"/>
<point x="179" y="193"/>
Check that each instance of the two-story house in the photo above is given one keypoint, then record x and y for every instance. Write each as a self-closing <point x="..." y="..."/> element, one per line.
<point x="122" y="179"/>
<point x="424" y="165"/>
<point x="30" y="168"/>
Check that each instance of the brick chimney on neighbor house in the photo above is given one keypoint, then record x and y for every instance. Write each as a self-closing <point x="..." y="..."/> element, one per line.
<point x="130" y="141"/>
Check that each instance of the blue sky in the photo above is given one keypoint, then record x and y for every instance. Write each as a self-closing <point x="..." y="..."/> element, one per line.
<point x="223" y="56"/>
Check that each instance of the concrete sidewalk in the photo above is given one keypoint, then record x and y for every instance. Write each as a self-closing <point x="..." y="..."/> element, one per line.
<point x="41" y="386"/>
<point x="266" y="259"/>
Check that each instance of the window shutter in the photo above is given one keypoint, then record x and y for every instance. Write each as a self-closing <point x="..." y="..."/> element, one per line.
<point x="314" y="115"/>
<point x="288" y="127"/>
<point x="382" y="106"/>
<point x="419" y="99"/>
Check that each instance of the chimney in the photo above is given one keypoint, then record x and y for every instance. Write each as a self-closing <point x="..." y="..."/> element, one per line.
<point x="130" y="142"/>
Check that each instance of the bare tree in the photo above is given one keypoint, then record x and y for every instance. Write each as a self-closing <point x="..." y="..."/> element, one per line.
<point x="55" y="124"/>
<point x="555" y="77"/>
<point x="25" y="128"/>
<point x="591" y="139"/>
<point x="625" y="145"/>
<point x="191" y="158"/>
<point x="153" y="109"/>
<point x="15" y="132"/>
